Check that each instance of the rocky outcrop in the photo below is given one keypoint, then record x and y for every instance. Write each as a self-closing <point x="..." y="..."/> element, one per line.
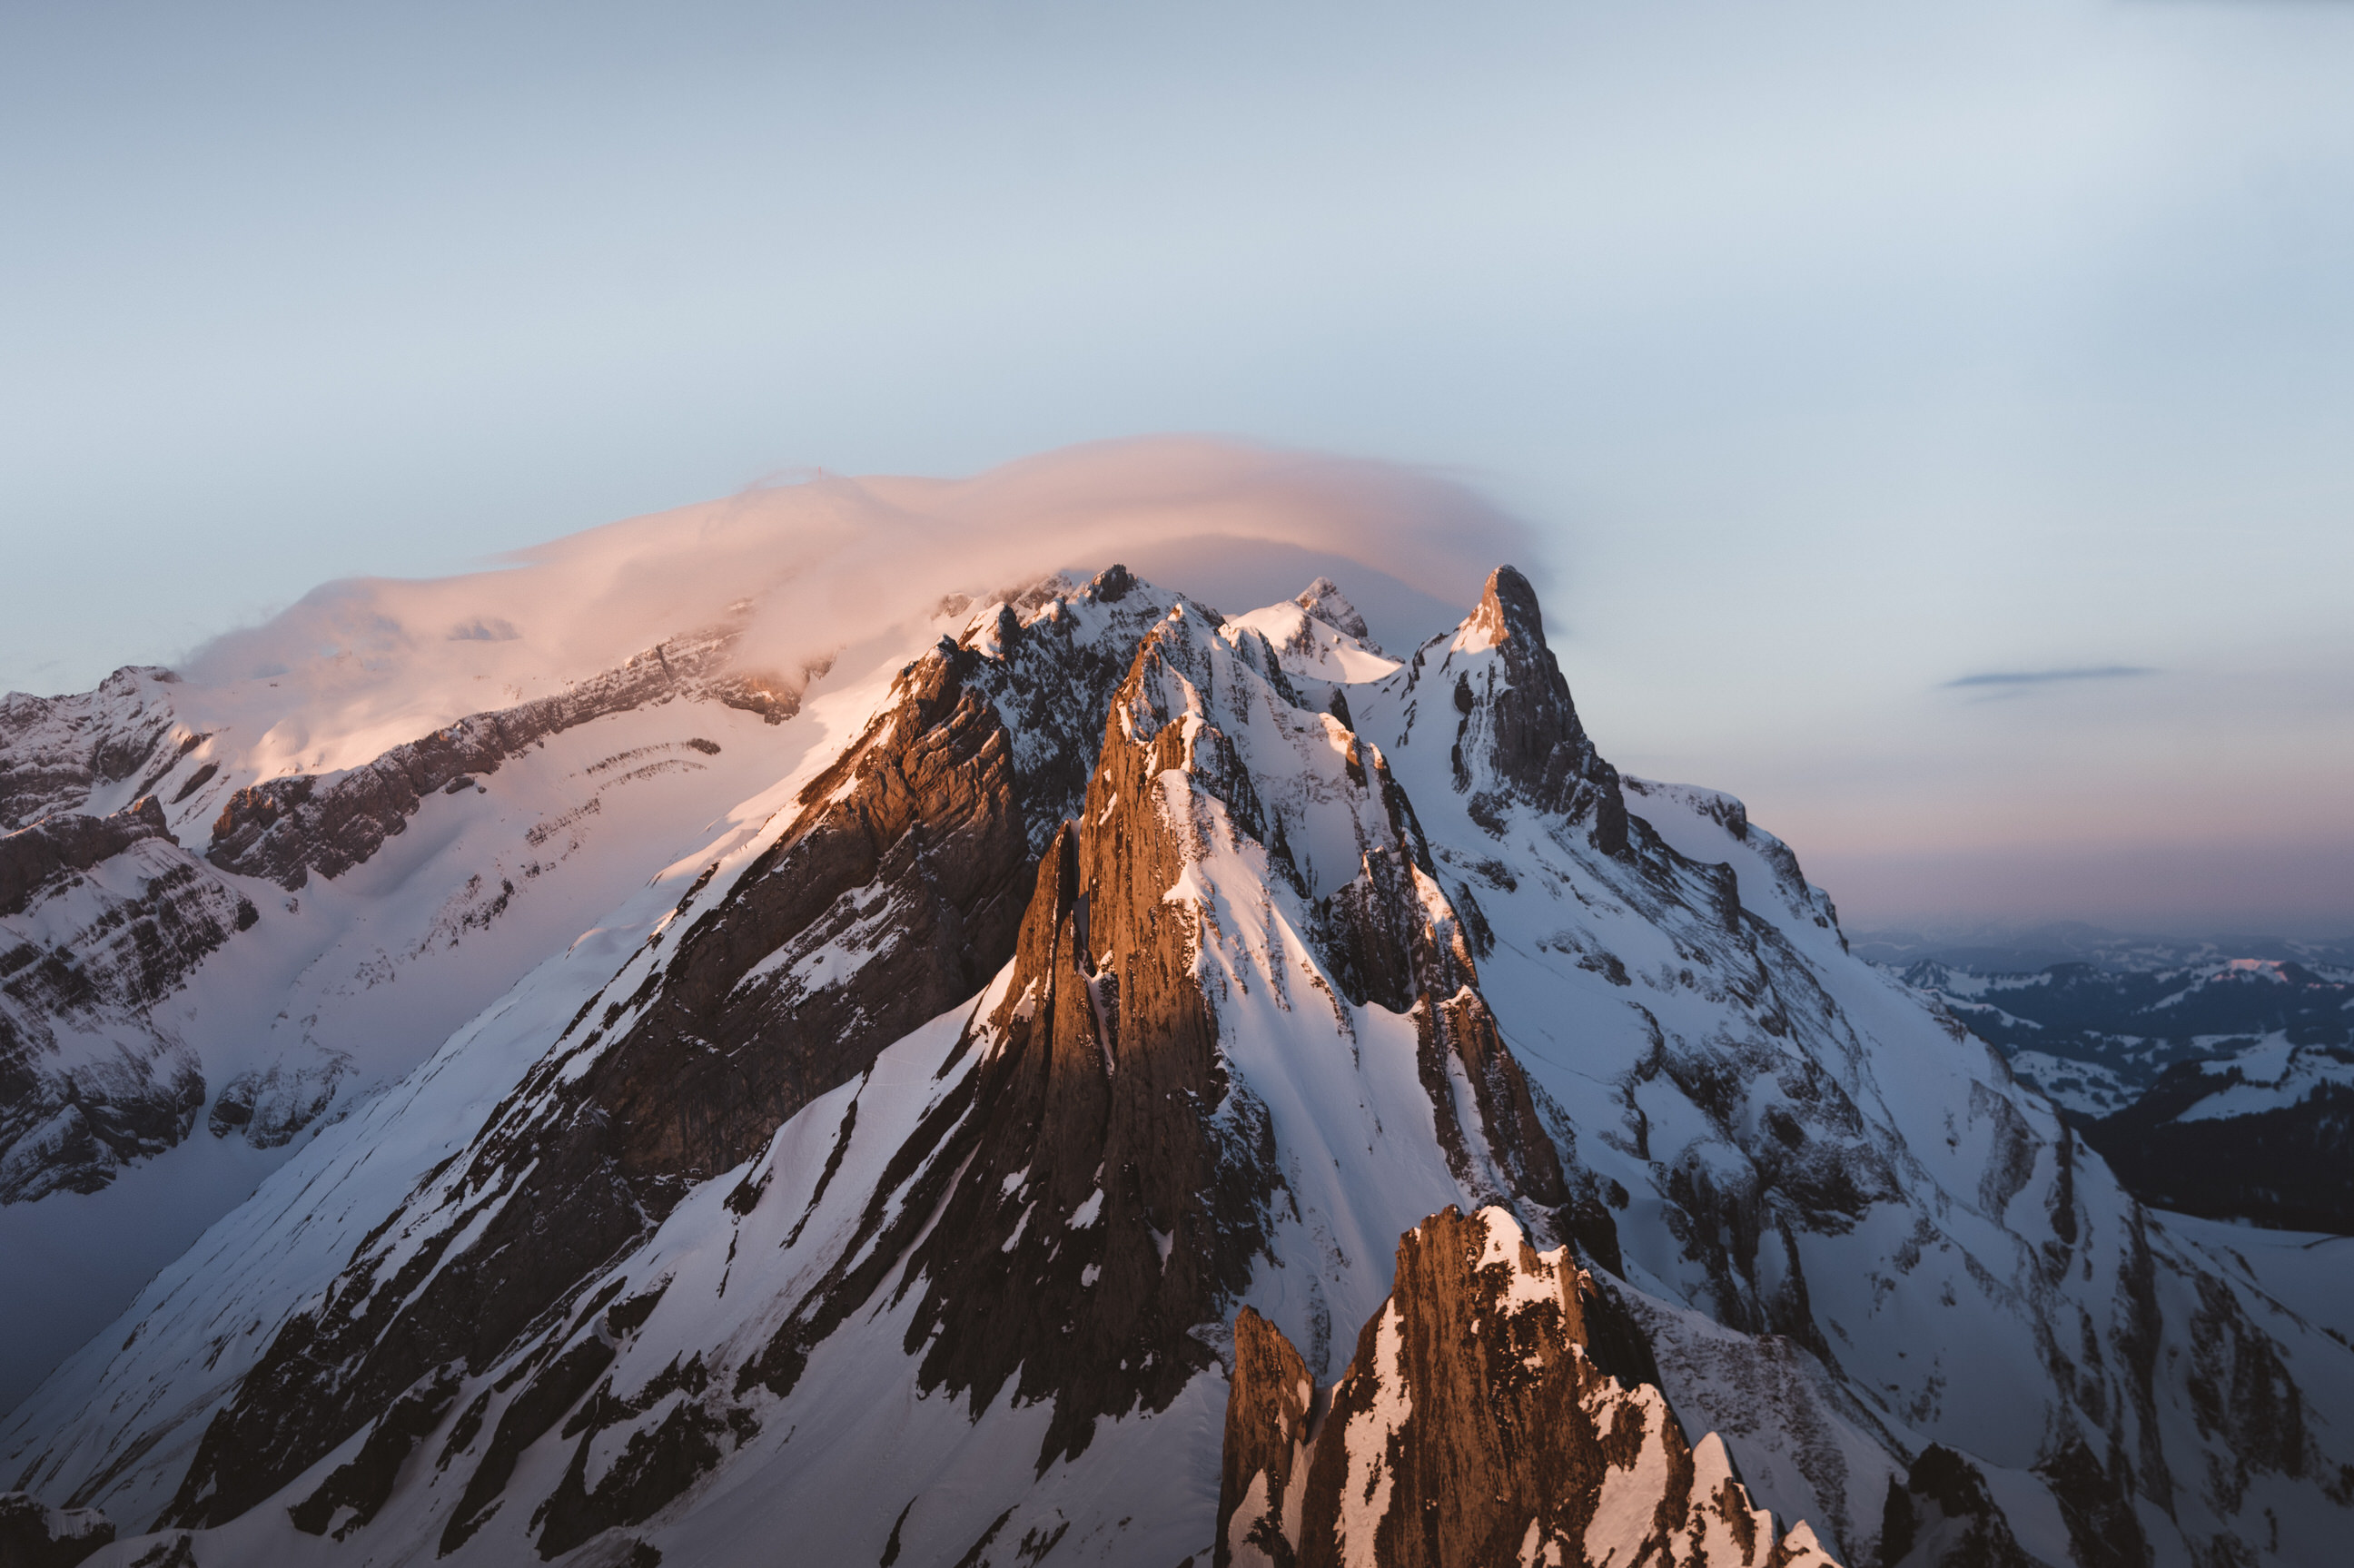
<point x="1107" y="1189"/>
<point x="893" y="898"/>
<point x="1324" y="599"/>
<point x="268" y="1107"/>
<point x="56" y="752"/>
<point x="1070" y="1224"/>
<point x="1943" y="1517"/>
<point x="1472" y="1427"/>
<point x="1077" y="1226"/>
<point x="1271" y="1408"/>
<point x="1223" y="1009"/>
<point x="100" y="919"/>
<point x="57" y="846"/>
<point x="1517" y="732"/>
<point x="35" y="1535"/>
<point x="1116" y="1189"/>
<point x="912" y="841"/>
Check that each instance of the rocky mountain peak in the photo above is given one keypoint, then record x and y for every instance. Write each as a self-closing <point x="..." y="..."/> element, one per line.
<point x="1508" y="609"/>
<point x="1324" y="599"/>
<point x="1517" y="736"/>
<point x="1472" y="1426"/>
<point x="64" y="753"/>
<point x="897" y="1158"/>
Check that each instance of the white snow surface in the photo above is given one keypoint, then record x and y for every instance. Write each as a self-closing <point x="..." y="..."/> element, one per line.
<point x="348" y="984"/>
<point x="1315" y="648"/>
<point x="2274" y="1075"/>
<point x="1930" y="1257"/>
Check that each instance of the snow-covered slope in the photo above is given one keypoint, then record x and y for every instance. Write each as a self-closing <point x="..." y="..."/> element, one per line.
<point x="181" y="987"/>
<point x="897" y="1162"/>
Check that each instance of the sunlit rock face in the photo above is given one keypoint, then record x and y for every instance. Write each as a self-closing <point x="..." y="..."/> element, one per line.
<point x="1474" y="1425"/>
<point x="961" y="1104"/>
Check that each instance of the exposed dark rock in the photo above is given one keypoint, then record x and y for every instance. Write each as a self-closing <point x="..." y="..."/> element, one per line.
<point x="35" y="1535"/>
<point x="2096" y="1500"/>
<point x="1324" y="599"/>
<point x="1270" y="1403"/>
<point x="363" y="1483"/>
<point x="176" y="1551"/>
<point x="1472" y="1427"/>
<point x="1116" y="1181"/>
<point x="57" y="846"/>
<point x="269" y="1108"/>
<point x="2242" y="1393"/>
<point x="1103" y="1090"/>
<point x="1525" y="725"/>
<point x="911" y="884"/>
<point x="907" y="869"/>
<point x="556" y="1389"/>
<point x="1500" y="1131"/>
<point x="655" y="1465"/>
<point x="115" y="916"/>
<point x="1943" y="1517"/>
<point x="196" y="781"/>
<point x="1112" y="1192"/>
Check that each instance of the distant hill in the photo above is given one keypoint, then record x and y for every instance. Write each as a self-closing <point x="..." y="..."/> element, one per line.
<point x="2216" y="1077"/>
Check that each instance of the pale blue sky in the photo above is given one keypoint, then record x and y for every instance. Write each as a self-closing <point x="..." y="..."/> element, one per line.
<point x="1838" y="352"/>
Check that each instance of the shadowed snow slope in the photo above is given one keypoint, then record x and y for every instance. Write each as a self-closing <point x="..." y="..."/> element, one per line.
<point x="1078" y="968"/>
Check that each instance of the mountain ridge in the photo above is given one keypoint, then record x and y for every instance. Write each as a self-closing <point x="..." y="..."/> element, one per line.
<point x="1290" y="964"/>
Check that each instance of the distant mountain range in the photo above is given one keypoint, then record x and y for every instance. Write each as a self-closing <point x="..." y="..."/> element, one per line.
<point x="2024" y="948"/>
<point x="2216" y="1077"/>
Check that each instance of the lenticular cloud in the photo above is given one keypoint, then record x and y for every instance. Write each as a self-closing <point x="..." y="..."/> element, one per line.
<point x="813" y="563"/>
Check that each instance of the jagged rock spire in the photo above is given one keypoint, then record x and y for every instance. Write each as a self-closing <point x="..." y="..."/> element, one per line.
<point x="1474" y="1426"/>
<point x="1517" y="716"/>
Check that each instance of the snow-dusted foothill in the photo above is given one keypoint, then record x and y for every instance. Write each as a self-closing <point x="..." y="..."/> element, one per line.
<point x="2221" y="1085"/>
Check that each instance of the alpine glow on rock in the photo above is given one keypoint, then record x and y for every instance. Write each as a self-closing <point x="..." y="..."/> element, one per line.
<point x="1068" y="1076"/>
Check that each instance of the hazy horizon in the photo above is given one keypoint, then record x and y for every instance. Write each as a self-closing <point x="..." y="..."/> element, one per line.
<point x="1928" y="426"/>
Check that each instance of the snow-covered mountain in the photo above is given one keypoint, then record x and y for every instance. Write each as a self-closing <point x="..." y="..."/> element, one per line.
<point x="2096" y="1035"/>
<point x="959" y="1065"/>
<point x="2223" y="1086"/>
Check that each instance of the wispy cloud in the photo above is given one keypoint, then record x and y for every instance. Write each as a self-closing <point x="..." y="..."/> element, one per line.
<point x="2049" y="677"/>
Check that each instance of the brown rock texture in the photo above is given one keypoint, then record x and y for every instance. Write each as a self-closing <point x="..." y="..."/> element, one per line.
<point x="1103" y="1193"/>
<point x="1473" y="1428"/>
<point x="1263" y="1464"/>
<point x="916" y="820"/>
<point x="1519" y="732"/>
<point x="1108" y="1192"/>
<point x="896" y="891"/>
